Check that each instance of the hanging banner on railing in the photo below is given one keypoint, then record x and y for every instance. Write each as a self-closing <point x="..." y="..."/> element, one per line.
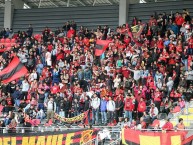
<point x="135" y="137"/>
<point x="69" y="137"/>
<point x="78" y="118"/>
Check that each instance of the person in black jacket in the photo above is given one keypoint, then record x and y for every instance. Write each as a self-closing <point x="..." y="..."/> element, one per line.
<point x="66" y="107"/>
<point x="57" y="101"/>
<point x="17" y="96"/>
<point x="87" y="106"/>
<point x="118" y="107"/>
<point x="41" y="98"/>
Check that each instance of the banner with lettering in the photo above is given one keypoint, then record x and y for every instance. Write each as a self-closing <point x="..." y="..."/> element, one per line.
<point x="135" y="137"/>
<point x="69" y="137"/>
<point x="78" y="118"/>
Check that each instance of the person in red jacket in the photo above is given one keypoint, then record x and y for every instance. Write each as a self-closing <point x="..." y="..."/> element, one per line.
<point x="167" y="126"/>
<point x="71" y="33"/>
<point x="160" y="44"/>
<point x="157" y="98"/>
<point x="179" y="20"/>
<point x="55" y="89"/>
<point x="129" y="107"/>
<point x="141" y="108"/>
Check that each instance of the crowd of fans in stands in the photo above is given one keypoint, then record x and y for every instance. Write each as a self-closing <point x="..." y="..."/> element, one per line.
<point x="127" y="81"/>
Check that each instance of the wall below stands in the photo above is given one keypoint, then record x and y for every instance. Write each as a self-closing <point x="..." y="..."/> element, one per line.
<point x="143" y="11"/>
<point x="89" y="17"/>
<point x="1" y="19"/>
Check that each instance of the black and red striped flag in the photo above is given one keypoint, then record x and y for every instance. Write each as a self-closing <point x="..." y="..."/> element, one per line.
<point x="13" y="71"/>
<point x="101" y="46"/>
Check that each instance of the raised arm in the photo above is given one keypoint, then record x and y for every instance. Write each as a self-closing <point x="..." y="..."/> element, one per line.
<point x="131" y="69"/>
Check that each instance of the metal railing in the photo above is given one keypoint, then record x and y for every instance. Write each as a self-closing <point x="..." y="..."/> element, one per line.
<point x="91" y="142"/>
<point x="110" y="135"/>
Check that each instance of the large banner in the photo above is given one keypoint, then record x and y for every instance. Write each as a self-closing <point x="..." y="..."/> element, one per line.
<point x="78" y="118"/>
<point x="134" y="137"/>
<point x="70" y="137"/>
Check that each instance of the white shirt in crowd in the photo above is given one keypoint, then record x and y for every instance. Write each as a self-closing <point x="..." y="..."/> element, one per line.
<point x="137" y="74"/>
<point x="110" y="105"/>
<point x="48" y="58"/>
<point x="116" y="82"/>
<point x="25" y="86"/>
<point x="95" y="103"/>
<point x="50" y="106"/>
<point x="33" y="76"/>
<point x="155" y="112"/>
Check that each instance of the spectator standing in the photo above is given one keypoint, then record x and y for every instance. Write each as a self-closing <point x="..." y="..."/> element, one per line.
<point x="25" y="88"/>
<point x="95" y="104"/>
<point x="51" y="109"/>
<point x="111" y="110"/>
<point x="118" y="107"/>
<point x="141" y="108"/>
<point x="103" y="109"/>
<point x="128" y="107"/>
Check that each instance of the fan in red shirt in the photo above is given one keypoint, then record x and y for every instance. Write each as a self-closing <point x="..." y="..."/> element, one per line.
<point x="45" y="73"/>
<point x="179" y="19"/>
<point x="152" y="20"/>
<point x="168" y="126"/>
<point x="179" y="46"/>
<point x="129" y="107"/>
<point x="141" y="107"/>
<point x="55" y="89"/>
<point x="127" y="39"/>
<point x="157" y="99"/>
<point x="71" y="33"/>
<point x="160" y="44"/>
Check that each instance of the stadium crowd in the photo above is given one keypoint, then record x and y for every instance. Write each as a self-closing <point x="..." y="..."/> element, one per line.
<point x="134" y="79"/>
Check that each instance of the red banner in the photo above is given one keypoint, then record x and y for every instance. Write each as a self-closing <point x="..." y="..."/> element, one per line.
<point x="136" y="137"/>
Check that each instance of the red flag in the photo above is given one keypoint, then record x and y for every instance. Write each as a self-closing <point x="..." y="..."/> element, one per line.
<point x="136" y="35"/>
<point x="101" y="46"/>
<point x="13" y="71"/>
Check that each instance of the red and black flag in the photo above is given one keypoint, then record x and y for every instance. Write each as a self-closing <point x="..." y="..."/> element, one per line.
<point x="13" y="71"/>
<point x="101" y="46"/>
<point x="135" y="32"/>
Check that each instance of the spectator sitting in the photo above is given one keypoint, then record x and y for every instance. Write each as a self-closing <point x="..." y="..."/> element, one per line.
<point x="180" y="125"/>
<point x="168" y="126"/>
<point x="153" y="112"/>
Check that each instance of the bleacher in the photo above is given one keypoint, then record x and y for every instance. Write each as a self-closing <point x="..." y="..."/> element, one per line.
<point x="7" y="43"/>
